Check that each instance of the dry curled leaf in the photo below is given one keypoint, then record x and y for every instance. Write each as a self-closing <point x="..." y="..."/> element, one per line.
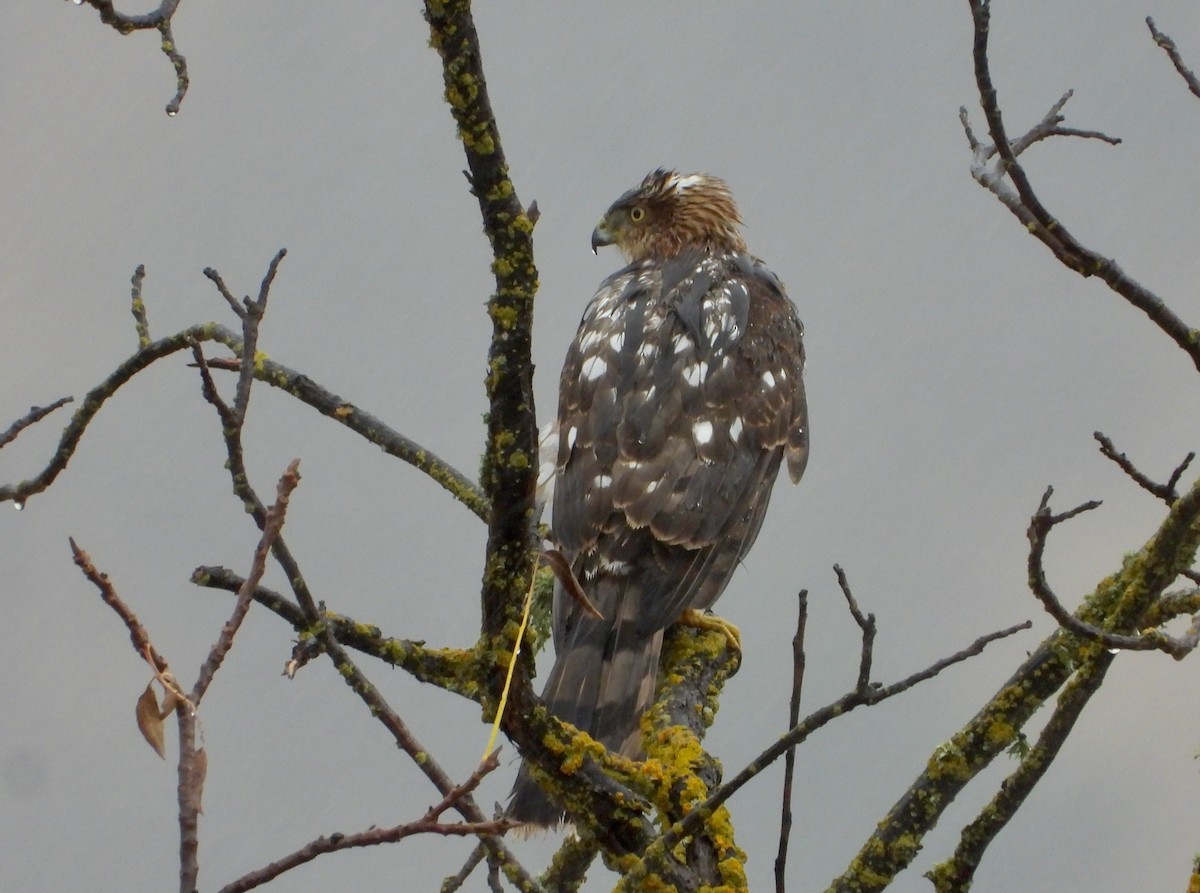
<point x="150" y="720"/>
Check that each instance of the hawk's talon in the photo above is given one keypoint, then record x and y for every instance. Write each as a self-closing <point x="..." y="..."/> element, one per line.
<point x="712" y="623"/>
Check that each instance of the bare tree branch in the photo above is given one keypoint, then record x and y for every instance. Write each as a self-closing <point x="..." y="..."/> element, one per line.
<point x="138" y="307"/>
<point x="455" y="881"/>
<point x="232" y="423"/>
<point x="1151" y="640"/>
<point x="35" y="414"/>
<point x="300" y="386"/>
<point x="510" y="460"/>
<point x="1120" y="603"/>
<point x="427" y="824"/>
<point x="159" y="20"/>
<point x="1172" y="51"/>
<point x="1166" y="492"/>
<point x="449" y="668"/>
<point x="789" y="758"/>
<point x="956" y="874"/>
<point x="1028" y="208"/>
<point x="276" y="515"/>
<point x="823" y="717"/>
<point x="866" y="623"/>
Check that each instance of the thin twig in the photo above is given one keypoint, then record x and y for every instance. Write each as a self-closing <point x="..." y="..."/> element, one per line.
<point x="493" y="874"/>
<point x="235" y="305"/>
<point x="373" y="837"/>
<point x="276" y="515"/>
<point x="369" y="427"/>
<point x="1166" y="492"/>
<point x="179" y="63"/>
<point x="137" y="633"/>
<point x="138" y="307"/>
<point x="789" y="759"/>
<point x="866" y="623"/>
<point x="1024" y="203"/>
<point x="35" y="414"/>
<point x="424" y="760"/>
<point x="1176" y="59"/>
<point x="349" y="672"/>
<point x="822" y="717"/>
<point x="427" y="824"/>
<point x="159" y="19"/>
<point x="255" y="310"/>
<point x="1040" y="525"/>
<point x="455" y="881"/>
<point x="445" y="667"/>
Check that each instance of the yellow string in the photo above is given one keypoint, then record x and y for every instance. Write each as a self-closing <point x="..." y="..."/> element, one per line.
<point x="512" y="664"/>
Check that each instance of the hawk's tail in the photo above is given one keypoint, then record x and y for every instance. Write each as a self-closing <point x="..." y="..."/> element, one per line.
<point x="602" y="682"/>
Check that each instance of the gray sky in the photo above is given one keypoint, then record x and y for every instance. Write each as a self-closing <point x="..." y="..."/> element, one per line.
<point x="955" y="370"/>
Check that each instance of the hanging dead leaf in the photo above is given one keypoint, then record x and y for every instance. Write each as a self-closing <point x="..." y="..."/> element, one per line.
<point x="150" y="720"/>
<point x="169" y="702"/>
<point x="199" y="772"/>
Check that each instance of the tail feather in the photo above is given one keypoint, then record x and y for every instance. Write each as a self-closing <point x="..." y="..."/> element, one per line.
<point x="602" y="682"/>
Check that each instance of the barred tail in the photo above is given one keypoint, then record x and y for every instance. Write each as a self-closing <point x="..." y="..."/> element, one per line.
<point x="602" y="682"/>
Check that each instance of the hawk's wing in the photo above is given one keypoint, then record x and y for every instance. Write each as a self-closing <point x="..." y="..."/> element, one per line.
<point x="678" y="399"/>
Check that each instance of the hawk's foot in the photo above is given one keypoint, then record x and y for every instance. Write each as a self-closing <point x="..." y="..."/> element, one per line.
<point x="712" y="623"/>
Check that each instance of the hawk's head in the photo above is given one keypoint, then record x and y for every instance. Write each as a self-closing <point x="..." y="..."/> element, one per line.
<point x="669" y="213"/>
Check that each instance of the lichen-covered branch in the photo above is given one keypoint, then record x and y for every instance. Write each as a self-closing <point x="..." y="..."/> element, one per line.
<point x="1146" y="640"/>
<point x="300" y="386"/>
<point x="510" y="458"/>
<point x="453" y="669"/>
<point x="956" y="874"/>
<point x="1119" y="605"/>
<point x="679" y="775"/>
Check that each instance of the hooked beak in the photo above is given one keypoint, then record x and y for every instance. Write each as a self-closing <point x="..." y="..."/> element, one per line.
<point x="601" y="235"/>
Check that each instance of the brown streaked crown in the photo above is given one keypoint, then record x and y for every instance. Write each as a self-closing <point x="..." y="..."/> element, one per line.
<point x="669" y="213"/>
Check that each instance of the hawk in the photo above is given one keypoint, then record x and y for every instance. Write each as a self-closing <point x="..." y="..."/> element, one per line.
<point x="679" y="398"/>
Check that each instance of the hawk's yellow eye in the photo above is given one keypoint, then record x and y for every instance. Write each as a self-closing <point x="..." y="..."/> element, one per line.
<point x="637" y="214"/>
